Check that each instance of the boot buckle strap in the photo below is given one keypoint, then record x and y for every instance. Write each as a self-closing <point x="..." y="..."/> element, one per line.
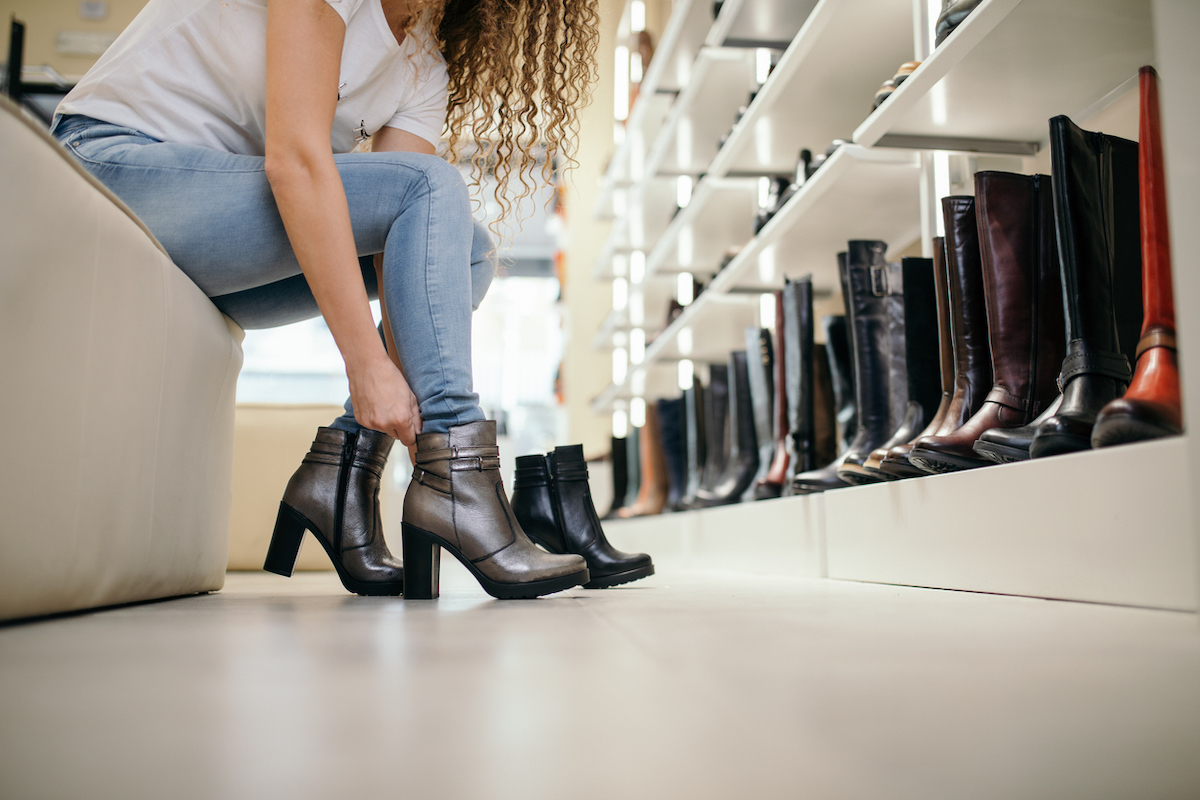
<point x="435" y="482"/>
<point x="478" y="463"/>
<point x="1003" y="397"/>
<point x="454" y="453"/>
<point x="1082" y="362"/>
<point x="1157" y="337"/>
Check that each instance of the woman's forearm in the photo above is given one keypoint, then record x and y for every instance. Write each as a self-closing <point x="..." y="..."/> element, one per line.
<point x="312" y="202"/>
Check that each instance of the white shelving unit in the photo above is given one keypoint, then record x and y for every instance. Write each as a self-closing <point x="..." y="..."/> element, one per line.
<point x="1009" y="67"/>
<point x="1113" y="526"/>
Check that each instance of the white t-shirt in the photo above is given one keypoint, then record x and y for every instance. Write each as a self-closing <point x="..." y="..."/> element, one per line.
<point x="194" y="72"/>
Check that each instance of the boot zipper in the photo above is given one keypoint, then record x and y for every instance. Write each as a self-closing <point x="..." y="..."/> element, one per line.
<point x="339" y="508"/>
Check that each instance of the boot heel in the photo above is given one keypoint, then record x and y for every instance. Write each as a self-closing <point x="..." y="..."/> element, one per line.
<point x="422" y="564"/>
<point x="285" y="542"/>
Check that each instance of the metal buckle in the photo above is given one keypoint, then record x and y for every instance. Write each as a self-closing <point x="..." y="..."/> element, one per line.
<point x="879" y="280"/>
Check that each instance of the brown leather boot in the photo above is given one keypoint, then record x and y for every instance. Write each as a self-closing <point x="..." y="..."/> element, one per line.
<point x="968" y="320"/>
<point x="652" y="496"/>
<point x="335" y="495"/>
<point x="456" y="501"/>
<point x="1023" y="294"/>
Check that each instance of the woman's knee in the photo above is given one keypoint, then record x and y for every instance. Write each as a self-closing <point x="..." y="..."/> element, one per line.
<point x="484" y="261"/>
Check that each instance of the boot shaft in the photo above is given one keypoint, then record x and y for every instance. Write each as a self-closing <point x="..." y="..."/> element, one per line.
<point x="840" y="366"/>
<point x="941" y="278"/>
<point x="1022" y="290"/>
<point x="671" y="425"/>
<point x="716" y="407"/>
<point x="693" y="400"/>
<point x="968" y="312"/>
<point x="798" y="370"/>
<point x="1158" y="294"/>
<point x="869" y="285"/>
<point x="760" y="365"/>
<point x="921" y="320"/>
<point x="743" y="441"/>
<point x="1095" y="184"/>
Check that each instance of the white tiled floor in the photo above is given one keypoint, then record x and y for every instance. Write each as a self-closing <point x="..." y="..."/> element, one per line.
<point x="689" y="685"/>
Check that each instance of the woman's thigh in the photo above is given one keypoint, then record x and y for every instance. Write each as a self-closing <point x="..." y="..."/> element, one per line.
<point x="215" y="214"/>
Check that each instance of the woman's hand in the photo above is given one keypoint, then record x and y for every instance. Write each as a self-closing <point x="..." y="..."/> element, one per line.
<point x="383" y="402"/>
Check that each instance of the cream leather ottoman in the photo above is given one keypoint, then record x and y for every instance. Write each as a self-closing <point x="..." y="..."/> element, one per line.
<point x="117" y="380"/>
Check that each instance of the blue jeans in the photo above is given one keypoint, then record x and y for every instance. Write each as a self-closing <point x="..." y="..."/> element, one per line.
<point x="215" y="214"/>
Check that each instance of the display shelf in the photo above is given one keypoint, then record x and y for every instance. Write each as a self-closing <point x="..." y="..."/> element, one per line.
<point x="720" y="215"/>
<point x="857" y="194"/>
<point x="647" y="304"/>
<point x="759" y="23"/>
<point x="822" y="86"/>
<point x="993" y="84"/>
<point x="668" y="72"/>
<point x="722" y="80"/>
<point x="1105" y="526"/>
<point x="654" y="380"/>
<point x="649" y="210"/>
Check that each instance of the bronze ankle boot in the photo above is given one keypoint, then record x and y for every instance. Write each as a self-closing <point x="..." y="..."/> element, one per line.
<point x="335" y="495"/>
<point x="456" y="502"/>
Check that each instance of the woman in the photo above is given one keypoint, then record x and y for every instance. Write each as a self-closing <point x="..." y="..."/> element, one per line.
<point x="226" y="126"/>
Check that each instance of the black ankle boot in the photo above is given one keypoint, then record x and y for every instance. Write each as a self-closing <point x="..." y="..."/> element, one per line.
<point x="553" y="502"/>
<point x="335" y="495"/>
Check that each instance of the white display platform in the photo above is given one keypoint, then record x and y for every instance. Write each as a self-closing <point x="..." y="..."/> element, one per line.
<point x="1106" y="526"/>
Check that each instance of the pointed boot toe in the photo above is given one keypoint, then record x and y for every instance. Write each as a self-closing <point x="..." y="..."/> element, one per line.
<point x="335" y="496"/>
<point x="456" y="502"/>
<point x="553" y="502"/>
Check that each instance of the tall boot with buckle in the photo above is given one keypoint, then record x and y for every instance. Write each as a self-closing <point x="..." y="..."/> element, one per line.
<point x="742" y="460"/>
<point x="921" y="361"/>
<point x="456" y="502"/>
<point x="553" y="503"/>
<point x="968" y="321"/>
<point x="876" y="313"/>
<point x="620" y="475"/>
<point x="836" y="374"/>
<point x="760" y="365"/>
<point x="1023" y="296"/>
<point x="1151" y="408"/>
<point x="1096" y="208"/>
<point x="335" y="495"/>
<point x="772" y="483"/>
<point x="895" y="462"/>
<point x="693" y="406"/>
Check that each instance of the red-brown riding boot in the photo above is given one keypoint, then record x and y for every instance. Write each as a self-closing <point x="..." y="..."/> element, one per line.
<point x="1151" y="407"/>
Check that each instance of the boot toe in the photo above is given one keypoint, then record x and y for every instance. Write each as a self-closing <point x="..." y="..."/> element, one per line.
<point x="1061" y="434"/>
<point x="1128" y="420"/>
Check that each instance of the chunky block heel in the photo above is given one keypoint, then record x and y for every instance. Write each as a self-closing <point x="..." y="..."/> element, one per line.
<point x="422" y="564"/>
<point x="285" y="542"/>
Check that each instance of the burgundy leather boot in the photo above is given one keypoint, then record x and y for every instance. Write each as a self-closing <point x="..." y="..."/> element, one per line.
<point x="968" y="320"/>
<point x="1024" y="311"/>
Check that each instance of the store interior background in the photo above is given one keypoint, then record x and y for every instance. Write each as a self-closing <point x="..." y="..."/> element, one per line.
<point x="522" y="330"/>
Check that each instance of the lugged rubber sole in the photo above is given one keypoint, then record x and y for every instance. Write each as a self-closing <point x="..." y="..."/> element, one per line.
<point x="417" y="539"/>
<point x="1000" y="453"/>
<point x="284" y="549"/>
<point x="628" y="576"/>
<point x="942" y="463"/>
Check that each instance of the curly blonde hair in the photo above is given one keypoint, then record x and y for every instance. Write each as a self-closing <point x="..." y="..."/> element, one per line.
<point x="519" y="71"/>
